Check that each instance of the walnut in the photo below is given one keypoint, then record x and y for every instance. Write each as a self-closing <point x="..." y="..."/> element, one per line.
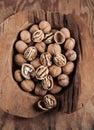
<point x="35" y="63"/>
<point x="25" y="36"/>
<point x="66" y="32"/>
<point x="41" y="72"/>
<point x="17" y="75"/>
<point x="47" y="82"/>
<point x="69" y="44"/>
<point x="19" y="59"/>
<point x="71" y="55"/>
<point x="63" y="80"/>
<point x="34" y="28"/>
<point x="30" y="53"/>
<point x="55" y="70"/>
<point x="54" y="48"/>
<point x="60" y="60"/>
<point x="41" y="47"/>
<point x="46" y="59"/>
<point x="38" y="36"/>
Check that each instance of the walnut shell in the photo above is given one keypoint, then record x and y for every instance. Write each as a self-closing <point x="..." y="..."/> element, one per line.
<point x="27" y="71"/>
<point x="59" y="38"/>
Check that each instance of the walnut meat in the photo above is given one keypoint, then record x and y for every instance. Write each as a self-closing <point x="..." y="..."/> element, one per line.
<point x="49" y="101"/>
<point x="59" y="38"/>
<point x="55" y="70"/>
<point x="38" y="36"/>
<point x="27" y="71"/>
<point x="54" y="48"/>
<point x="47" y="82"/>
<point x="45" y="26"/>
<point x="41" y="72"/>
<point x="48" y="38"/>
<point x="63" y="80"/>
<point x="30" y="53"/>
<point x="60" y="60"/>
<point x="46" y="59"/>
<point x="71" y="55"/>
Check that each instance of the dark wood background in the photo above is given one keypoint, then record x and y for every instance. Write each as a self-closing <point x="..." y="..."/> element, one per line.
<point x="80" y="120"/>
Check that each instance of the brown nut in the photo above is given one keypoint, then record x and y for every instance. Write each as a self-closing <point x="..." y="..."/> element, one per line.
<point x="27" y="85"/>
<point x="41" y="72"/>
<point x="48" y="38"/>
<point x="56" y="89"/>
<point x="59" y="38"/>
<point x="55" y="70"/>
<point x="19" y="59"/>
<point x="68" y="68"/>
<point x="35" y="63"/>
<point x="60" y="60"/>
<point x="41" y="47"/>
<point x="71" y="55"/>
<point x="46" y="59"/>
<point x="30" y="53"/>
<point x="47" y="83"/>
<point x="38" y="36"/>
<point x="49" y="101"/>
<point x="25" y="36"/>
<point x="69" y="44"/>
<point x="18" y="76"/>
<point x="39" y="90"/>
<point x="66" y="32"/>
<point x="54" y="48"/>
<point x="34" y="28"/>
<point x="45" y="26"/>
<point x="41" y="105"/>
<point x="20" y="46"/>
<point x="63" y="80"/>
<point x="27" y="71"/>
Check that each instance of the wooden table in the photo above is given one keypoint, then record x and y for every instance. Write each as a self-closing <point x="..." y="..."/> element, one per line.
<point x="80" y="120"/>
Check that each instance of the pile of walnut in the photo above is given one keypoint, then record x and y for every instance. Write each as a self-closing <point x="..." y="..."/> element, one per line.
<point x="44" y="59"/>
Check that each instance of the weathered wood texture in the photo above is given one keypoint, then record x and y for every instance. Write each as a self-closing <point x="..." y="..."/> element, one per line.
<point x="84" y="118"/>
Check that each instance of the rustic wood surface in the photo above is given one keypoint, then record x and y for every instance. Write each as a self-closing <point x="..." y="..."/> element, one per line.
<point x="80" y="120"/>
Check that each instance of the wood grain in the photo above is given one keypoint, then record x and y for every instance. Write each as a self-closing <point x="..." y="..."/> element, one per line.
<point x="81" y="120"/>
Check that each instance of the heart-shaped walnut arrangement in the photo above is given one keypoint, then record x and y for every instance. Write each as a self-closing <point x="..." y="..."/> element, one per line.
<point x="45" y="64"/>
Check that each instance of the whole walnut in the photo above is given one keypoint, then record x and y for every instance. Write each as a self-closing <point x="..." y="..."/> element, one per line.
<point x="27" y="85"/>
<point x="25" y="36"/>
<point x="54" y="48"/>
<point x="45" y="26"/>
<point x="56" y="89"/>
<point x="66" y="32"/>
<point x="17" y="75"/>
<point x="46" y="59"/>
<point x="34" y="28"/>
<point x="71" y="55"/>
<point x="41" y="47"/>
<point x="55" y="70"/>
<point x="69" y="44"/>
<point x="39" y="90"/>
<point x="35" y="63"/>
<point x="68" y="68"/>
<point x="19" y="59"/>
<point x="63" y="80"/>
<point x="20" y="46"/>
